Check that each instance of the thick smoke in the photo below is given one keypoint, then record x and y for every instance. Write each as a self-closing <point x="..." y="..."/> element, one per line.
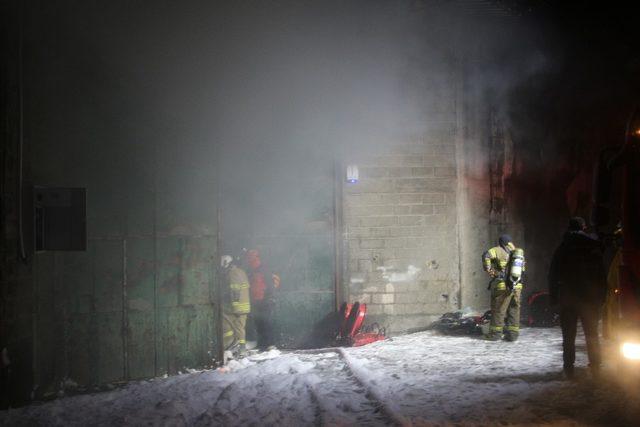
<point x="262" y="97"/>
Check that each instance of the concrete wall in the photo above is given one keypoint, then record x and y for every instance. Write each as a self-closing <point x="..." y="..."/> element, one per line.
<point x="424" y="211"/>
<point x="401" y="221"/>
<point x="402" y="235"/>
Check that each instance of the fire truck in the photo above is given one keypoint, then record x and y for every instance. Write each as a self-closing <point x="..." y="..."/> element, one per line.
<point x="618" y="190"/>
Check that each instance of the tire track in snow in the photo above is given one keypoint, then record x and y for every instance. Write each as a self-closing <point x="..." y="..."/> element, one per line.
<point x="359" y="390"/>
<point x="322" y="408"/>
<point x="388" y="409"/>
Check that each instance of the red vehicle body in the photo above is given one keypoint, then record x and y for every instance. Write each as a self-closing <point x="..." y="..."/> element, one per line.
<point x="630" y="268"/>
<point x="625" y="161"/>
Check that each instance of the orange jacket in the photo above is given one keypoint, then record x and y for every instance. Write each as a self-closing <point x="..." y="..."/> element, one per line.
<point x="262" y="282"/>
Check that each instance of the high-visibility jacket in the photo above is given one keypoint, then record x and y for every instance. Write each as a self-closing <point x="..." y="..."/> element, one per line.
<point x="238" y="285"/>
<point x="496" y="260"/>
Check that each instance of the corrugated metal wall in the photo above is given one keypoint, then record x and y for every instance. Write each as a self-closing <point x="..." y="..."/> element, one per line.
<point x="113" y="113"/>
<point x="109" y="315"/>
<point x="140" y="301"/>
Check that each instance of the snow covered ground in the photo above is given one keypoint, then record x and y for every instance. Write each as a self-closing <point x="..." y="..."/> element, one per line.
<point x="419" y="379"/>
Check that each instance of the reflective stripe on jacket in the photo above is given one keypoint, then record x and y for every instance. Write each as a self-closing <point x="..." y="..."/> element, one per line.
<point x="501" y="285"/>
<point x="239" y="287"/>
<point x="495" y="259"/>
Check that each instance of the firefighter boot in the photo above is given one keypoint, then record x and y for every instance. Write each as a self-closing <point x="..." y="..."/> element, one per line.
<point x="511" y="333"/>
<point x="239" y="351"/>
<point x="493" y="336"/>
<point x="511" y="337"/>
<point x="495" y="333"/>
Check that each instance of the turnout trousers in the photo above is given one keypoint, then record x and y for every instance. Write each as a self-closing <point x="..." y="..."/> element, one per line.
<point x="505" y="312"/>
<point x="234" y="327"/>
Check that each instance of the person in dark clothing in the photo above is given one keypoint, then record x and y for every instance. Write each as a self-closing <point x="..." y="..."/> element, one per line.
<point x="263" y="284"/>
<point x="577" y="284"/>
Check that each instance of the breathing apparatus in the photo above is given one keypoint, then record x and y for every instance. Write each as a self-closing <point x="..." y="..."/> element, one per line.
<point x="515" y="268"/>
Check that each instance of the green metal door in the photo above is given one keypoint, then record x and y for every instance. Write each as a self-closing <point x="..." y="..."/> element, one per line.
<point x="293" y="228"/>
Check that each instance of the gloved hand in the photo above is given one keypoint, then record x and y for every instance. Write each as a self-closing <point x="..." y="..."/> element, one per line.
<point x="276" y="280"/>
<point x="235" y="295"/>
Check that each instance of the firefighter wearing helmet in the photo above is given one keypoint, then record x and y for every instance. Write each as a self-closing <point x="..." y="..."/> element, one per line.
<point x="505" y="265"/>
<point x="236" y="305"/>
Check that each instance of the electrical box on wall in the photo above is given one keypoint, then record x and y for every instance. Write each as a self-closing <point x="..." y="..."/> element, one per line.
<point x="60" y="219"/>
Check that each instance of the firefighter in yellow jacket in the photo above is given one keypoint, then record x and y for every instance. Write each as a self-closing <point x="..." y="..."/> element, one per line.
<point x="504" y="264"/>
<point x="236" y="305"/>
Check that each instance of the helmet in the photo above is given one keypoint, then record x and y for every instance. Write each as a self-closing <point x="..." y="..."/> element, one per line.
<point x="225" y="261"/>
<point x="504" y="240"/>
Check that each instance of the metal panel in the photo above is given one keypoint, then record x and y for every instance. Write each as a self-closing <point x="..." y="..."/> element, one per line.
<point x="298" y="312"/>
<point x="140" y="308"/>
<point x="166" y="331"/>
<point x="79" y="349"/>
<point x="79" y="345"/>
<point x="104" y="209"/>
<point x="72" y="296"/>
<point x="139" y="302"/>
<point x="295" y="234"/>
<point x="108" y="275"/>
<point x="60" y="219"/>
<point x="305" y="265"/>
<point x="47" y="331"/>
<point x="197" y="270"/>
<point x="303" y="303"/>
<point x="172" y="323"/>
<point x="169" y="263"/>
<point x="320" y="263"/>
<point x="77" y="281"/>
<point x="141" y="347"/>
<point x="107" y="316"/>
<point x="108" y="357"/>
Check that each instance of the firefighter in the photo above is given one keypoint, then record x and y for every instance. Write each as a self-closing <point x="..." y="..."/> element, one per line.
<point x="236" y="306"/>
<point x="504" y="264"/>
<point x="578" y="285"/>
<point x="263" y="285"/>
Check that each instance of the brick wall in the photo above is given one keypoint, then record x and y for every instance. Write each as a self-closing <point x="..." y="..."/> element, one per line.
<point x="401" y="231"/>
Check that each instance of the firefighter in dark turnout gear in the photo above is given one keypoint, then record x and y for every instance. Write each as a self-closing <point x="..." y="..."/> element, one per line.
<point x="505" y="290"/>
<point x="578" y="285"/>
<point x="236" y="305"/>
